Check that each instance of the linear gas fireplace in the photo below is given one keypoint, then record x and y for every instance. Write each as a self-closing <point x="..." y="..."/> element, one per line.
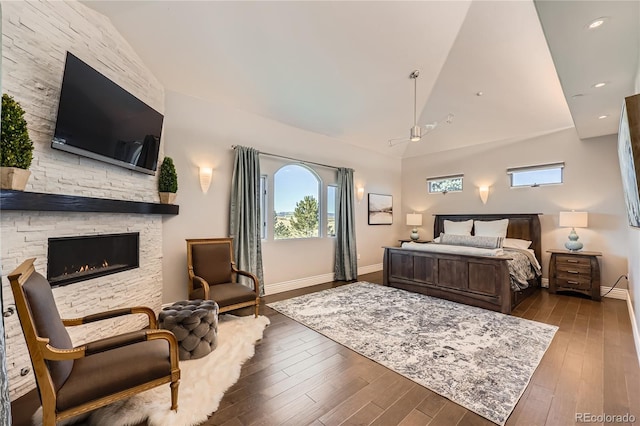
<point x="74" y="259"/>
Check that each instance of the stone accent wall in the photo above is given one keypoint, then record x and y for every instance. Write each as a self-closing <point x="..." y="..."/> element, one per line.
<point x="5" y="401"/>
<point x="35" y="39"/>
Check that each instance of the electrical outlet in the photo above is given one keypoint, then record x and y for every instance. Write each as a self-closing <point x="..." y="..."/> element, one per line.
<point x="358" y="256"/>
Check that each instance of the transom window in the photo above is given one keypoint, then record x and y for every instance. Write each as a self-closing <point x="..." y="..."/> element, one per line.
<point x="296" y="203"/>
<point x="543" y="174"/>
<point x="445" y="184"/>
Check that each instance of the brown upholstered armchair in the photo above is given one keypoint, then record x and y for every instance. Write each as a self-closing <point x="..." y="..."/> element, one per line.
<point x="213" y="275"/>
<point x="74" y="380"/>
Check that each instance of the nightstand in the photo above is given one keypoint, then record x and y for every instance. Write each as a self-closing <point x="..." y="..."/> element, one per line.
<point x="575" y="271"/>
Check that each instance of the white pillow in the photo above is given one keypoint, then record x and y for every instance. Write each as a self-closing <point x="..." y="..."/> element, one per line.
<point x="516" y="243"/>
<point x="492" y="228"/>
<point x="458" y="228"/>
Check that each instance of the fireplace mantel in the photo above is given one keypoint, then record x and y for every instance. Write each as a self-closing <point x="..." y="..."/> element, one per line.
<point x="38" y="201"/>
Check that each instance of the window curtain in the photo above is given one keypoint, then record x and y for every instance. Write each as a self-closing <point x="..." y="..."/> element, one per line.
<point x="346" y="267"/>
<point x="244" y="217"/>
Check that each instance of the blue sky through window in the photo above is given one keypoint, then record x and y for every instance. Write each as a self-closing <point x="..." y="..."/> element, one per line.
<point x="291" y="184"/>
<point x="537" y="177"/>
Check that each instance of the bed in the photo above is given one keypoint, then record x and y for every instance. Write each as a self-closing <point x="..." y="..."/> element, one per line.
<point x="476" y="280"/>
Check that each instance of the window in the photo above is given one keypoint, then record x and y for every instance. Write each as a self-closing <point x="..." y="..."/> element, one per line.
<point x="445" y="184"/>
<point x="331" y="211"/>
<point x="543" y="174"/>
<point x="295" y="203"/>
<point x="263" y="206"/>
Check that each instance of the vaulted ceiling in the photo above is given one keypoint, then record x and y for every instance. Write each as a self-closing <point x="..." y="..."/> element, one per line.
<point x="342" y="68"/>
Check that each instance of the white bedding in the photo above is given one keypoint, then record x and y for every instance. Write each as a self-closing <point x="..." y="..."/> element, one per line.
<point x="444" y="248"/>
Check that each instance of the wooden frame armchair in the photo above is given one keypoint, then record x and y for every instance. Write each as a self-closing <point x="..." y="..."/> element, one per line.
<point x="74" y="380"/>
<point x="213" y="275"/>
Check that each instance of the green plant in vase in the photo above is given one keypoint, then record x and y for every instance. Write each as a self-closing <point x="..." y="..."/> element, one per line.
<point x="16" y="149"/>
<point x="168" y="181"/>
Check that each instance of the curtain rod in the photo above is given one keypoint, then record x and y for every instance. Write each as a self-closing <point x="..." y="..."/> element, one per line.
<point x="293" y="159"/>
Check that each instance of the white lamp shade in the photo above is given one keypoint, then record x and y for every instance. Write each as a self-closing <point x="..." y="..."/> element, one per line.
<point x="205" y="178"/>
<point x="574" y="219"/>
<point x="414" y="219"/>
<point x="360" y="193"/>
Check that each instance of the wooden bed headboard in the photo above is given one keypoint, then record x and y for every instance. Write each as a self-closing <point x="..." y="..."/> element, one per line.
<point x="522" y="226"/>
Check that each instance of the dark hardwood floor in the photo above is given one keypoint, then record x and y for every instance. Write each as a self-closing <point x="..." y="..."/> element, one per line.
<point x="299" y="377"/>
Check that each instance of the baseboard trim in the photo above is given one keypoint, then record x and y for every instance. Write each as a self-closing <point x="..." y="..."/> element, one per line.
<point x="314" y="280"/>
<point x="296" y="284"/>
<point x="634" y="326"/>
<point x="616" y="293"/>
<point x="369" y="269"/>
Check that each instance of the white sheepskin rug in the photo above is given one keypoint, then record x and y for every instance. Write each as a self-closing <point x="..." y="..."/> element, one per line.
<point x="203" y="382"/>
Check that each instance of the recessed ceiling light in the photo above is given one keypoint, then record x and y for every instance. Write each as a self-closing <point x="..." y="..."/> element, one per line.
<point x="603" y="117"/>
<point x="601" y="84"/>
<point x="596" y="23"/>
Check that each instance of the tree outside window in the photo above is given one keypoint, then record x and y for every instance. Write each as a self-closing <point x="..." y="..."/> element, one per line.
<point x="296" y="194"/>
<point x="445" y="184"/>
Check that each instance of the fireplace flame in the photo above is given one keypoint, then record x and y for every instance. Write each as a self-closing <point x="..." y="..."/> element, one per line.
<point x="86" y="268"/>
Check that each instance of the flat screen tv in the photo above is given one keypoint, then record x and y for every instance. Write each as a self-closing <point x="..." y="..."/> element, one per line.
<point x="100" y="120"/>
<point x="629" y="156"/>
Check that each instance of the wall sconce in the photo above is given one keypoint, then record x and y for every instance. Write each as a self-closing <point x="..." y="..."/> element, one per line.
<point x="205" y="178"/>
<point x="484" y="194"/>
<point x="360" y="193"/>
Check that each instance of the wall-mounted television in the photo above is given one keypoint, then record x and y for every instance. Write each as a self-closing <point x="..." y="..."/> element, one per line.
<point x="100" y="120"/>
<point x="629" y="156"/>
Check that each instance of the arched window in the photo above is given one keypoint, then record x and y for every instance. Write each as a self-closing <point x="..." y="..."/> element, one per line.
<point x="296" y="203"/>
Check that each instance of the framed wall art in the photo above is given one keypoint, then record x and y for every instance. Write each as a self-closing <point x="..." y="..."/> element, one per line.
<point x="380" y="209"/>
<point x="629" y="156"/>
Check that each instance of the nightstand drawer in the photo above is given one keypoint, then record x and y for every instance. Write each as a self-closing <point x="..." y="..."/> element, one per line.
<point x="573" y="260"/>
<point x="573" y="269"/>
<point x="577" y="283"/>
<point x="574" y="277"/>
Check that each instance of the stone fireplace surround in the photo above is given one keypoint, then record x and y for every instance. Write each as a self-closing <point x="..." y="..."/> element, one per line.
<point x="28" y="218"/>
<point x="35" y="39"/>
<point x="25" y="235"/>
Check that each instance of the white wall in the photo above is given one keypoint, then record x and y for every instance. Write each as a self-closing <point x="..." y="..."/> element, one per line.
<point x="592" y="183"/>
<point x="200" y="133"/>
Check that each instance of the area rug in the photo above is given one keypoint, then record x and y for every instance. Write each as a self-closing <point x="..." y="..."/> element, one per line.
<point x="479" y="359"/>
<point x="203" y="382"/>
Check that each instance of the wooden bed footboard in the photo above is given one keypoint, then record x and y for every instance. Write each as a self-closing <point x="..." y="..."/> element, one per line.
<point x="472" y="280"/>
<point x="480" y="281"/>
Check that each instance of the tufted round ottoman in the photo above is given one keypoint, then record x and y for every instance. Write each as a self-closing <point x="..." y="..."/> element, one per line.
<point x="195" y="325"/>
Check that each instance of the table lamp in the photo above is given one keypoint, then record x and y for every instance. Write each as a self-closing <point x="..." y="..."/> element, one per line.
<point x="414" y="219"/>
<point x="573" y="220"/>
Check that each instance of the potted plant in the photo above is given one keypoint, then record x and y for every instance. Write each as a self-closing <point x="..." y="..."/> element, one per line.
<point x="16" y="147"/>
<point x="168" y="182"/>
